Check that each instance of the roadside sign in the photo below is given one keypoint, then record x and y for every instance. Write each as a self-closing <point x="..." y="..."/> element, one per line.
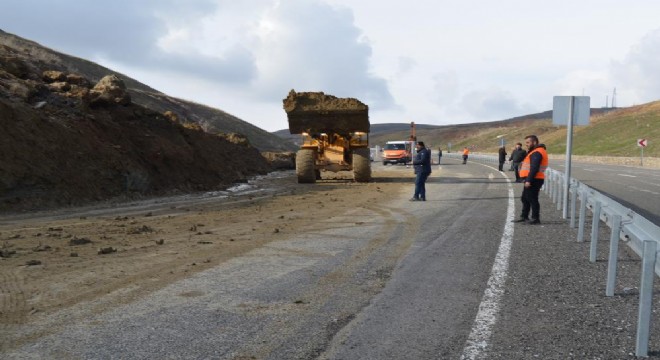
<point x="569" y="111"/>
<point x="642" y="142"/>
<point x="561" y="108"/>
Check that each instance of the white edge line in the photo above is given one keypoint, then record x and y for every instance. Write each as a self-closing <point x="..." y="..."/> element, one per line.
<point x="477" y="342"/>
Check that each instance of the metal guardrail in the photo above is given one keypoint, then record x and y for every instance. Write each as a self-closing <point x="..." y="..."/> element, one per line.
<point x="640" y="234"/>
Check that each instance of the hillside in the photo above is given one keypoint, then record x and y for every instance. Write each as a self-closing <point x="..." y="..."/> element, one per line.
<point x="210" y="119"/>
<point x="611" y="132"/>
<point x="69" y="140"/>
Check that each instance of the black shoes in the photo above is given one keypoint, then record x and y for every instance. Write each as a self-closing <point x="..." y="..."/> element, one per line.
<point x="417" y="199"/>
<point x="527" y="221"/>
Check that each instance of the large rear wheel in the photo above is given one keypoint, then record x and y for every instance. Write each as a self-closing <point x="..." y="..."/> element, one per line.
<point x="305" y="160"/>
<point x="361" y="165"/>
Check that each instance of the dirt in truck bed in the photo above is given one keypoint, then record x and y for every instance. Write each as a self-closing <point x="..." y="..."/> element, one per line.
<point x="318" y="112"/>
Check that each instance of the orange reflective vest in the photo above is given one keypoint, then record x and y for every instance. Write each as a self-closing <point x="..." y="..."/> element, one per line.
<point x="466" y="151"/>
<point x="525" y="165"/>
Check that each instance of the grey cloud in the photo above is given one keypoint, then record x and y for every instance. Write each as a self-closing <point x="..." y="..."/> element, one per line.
<point x="445" y="88"/>
<point x="317" y="48"/>
<point x="405" y="65"/>
<point x="639" y="73"/>
<point x="492" y="104"/>
<point x="123" y="31"/>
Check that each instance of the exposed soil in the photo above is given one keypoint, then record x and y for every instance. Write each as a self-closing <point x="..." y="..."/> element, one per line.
<point x="56" y="260"/>
<point x="64" y="142"/>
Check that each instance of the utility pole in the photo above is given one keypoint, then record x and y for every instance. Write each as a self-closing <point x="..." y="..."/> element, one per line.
<point x="614" y="98"/>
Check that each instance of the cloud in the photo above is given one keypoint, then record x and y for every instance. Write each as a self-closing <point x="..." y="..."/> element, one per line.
<point x="492" y="104"/>
<point x="128" y="32"/>
<point x="637" y="77"/>
<point x="405" y="65"/>
<point x="311" y="46"/>
<point x="445" y="88"/>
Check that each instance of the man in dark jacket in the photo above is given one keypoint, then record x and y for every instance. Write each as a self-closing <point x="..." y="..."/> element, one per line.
<point x="422" y="164"/>
<point x="502" y="157"/>
<point x="532" y="170"/>
<point x="517" y="156"/>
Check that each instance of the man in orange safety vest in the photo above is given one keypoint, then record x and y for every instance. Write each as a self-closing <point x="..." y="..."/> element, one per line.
<point x="532" y="172"/>
<point x="466" y="151"/>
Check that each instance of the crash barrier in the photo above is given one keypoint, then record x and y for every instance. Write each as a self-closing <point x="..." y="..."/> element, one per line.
<point x="640" y="234"/>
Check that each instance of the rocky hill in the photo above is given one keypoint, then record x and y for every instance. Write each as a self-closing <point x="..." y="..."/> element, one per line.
<point x="68" y="138"/>
<point x="209" y="119"/>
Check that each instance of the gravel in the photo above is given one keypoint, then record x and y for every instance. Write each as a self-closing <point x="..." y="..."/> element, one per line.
<point x="555" y="306"/>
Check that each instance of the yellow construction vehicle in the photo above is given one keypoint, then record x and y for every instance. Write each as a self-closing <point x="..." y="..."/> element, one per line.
<point x="335" y="135"/>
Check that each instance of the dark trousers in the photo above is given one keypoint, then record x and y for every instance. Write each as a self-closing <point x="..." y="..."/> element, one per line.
<point x="501" y="165"/>
<point x="516" y="167"/>
<point x="420" y="185"/>
<point x="530" y="200"/>
<point x="465" y="159"/>
<point x="439" y="159"/>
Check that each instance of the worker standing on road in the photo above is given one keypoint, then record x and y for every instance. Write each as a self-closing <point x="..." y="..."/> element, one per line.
<point x="502" y="157"/>
<point x="466" y="152"/>
<point x="422" y="164"/>
<point x="439" y="155"/>
<point x="532" y="170"/>
<point x="517" y="156"/>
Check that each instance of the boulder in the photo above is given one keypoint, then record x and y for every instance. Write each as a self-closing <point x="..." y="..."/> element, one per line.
<point x="281" y="160"/>
<point x="235" y="138"/>
<point x="109" y="91"/>
<point x="51" y="76"/>
<point x="59" y="86"/>
<point x="76" y="79"/>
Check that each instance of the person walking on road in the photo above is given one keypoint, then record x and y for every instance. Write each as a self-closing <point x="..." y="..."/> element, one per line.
<point x="532" y="170"/>
<point x="439" y="155"/>
<point x="502" y="157"/>
<point x="466" y="152"/>
<point x="422" y="164"/>
<point x="517" y="156"/>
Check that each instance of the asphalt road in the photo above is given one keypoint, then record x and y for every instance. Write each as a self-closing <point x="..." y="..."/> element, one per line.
<point x="634" y="187"/>
<point x="403" y="281"/>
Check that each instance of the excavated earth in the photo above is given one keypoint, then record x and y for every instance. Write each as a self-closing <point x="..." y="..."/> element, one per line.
<point x="66" y="142"/>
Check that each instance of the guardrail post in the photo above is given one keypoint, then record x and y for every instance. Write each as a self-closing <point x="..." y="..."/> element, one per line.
<point x="573" y="203"/>
<point x="614" y="252"/>
<point x="595" y="223"/>
<point x="553" y="193"/>
<point x="583" y="215"/>
<point x="646" y="297"/>
<point x="548" y="185"/>
<point x="560" y="196"/>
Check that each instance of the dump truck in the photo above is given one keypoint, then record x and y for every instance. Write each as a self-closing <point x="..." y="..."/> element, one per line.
<point x="335" y="135"/>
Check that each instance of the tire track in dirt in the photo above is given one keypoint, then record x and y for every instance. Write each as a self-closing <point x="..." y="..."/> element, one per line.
<point x="13" y="304"/>
<point x="360" y="278"/>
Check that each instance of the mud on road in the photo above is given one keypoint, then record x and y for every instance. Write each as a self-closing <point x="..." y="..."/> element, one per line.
<point x="110" y="255"/>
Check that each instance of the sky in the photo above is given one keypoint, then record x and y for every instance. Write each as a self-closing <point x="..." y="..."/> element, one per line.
<point x="429" y="61"/>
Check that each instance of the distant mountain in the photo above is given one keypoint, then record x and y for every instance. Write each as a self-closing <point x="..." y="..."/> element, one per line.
<point x="611" y="132"/>
<point x="210" y="119"/>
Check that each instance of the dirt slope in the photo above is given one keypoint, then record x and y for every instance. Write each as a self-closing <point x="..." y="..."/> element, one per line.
<point x="209" y="119"/>
<point x="63" y="142"/>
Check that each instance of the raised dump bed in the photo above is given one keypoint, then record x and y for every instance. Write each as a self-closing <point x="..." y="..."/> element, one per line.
<point x="316" y="112"/>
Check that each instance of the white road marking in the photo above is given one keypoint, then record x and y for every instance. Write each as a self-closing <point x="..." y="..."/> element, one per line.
<point x="477" y="342"/>
<point x="626" y="175"/>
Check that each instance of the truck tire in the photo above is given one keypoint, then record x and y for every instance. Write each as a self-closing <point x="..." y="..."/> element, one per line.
<point x="361" y="165"/>
<point x="305" y="161"/>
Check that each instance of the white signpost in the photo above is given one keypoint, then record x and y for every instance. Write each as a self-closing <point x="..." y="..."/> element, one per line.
<point x="642" y="144"/>
<point x="569" y="111"/>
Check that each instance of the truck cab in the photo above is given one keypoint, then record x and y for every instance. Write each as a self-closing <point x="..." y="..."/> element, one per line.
<point x="396" y="152"/>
